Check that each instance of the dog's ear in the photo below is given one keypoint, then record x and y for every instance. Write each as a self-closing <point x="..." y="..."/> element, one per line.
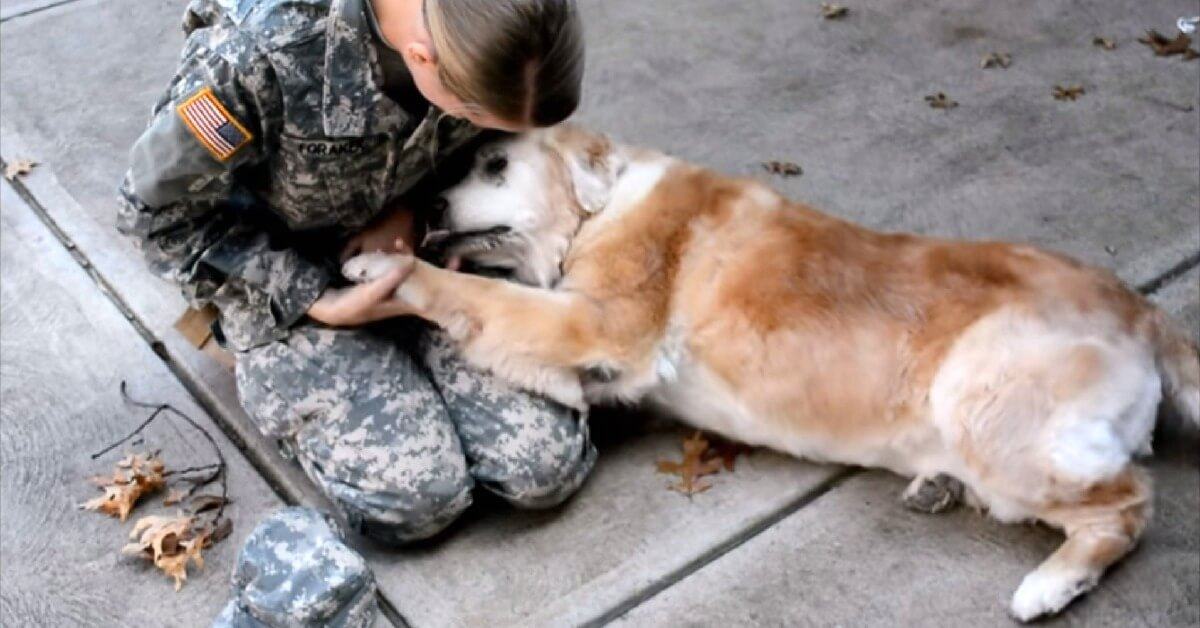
<point x="592" y="165"/>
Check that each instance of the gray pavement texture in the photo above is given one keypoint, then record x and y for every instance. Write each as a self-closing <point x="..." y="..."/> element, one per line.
<point x="1111" y="178"/>
<point x="16" y="8"/>
<point x="63" y="352"/>
<point x="856" y="557"/>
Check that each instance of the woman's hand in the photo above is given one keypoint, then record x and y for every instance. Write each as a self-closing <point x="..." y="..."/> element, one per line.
<point x="364" y="303"/>
<point x="383" y="234"/>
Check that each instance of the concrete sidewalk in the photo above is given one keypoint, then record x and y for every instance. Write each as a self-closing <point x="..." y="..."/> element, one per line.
<point x="1111" y="178"/>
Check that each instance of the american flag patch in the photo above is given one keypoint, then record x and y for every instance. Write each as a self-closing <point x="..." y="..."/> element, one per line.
<point x="212" y="124"/>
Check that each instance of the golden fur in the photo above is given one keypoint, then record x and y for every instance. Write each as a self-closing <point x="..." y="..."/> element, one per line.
<point x="1028" y="376"/>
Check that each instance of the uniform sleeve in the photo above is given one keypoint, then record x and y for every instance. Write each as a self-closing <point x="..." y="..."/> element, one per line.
<point x="178" y="197"/>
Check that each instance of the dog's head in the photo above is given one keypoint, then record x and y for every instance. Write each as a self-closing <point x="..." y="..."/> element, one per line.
<point x="523" y="201"/>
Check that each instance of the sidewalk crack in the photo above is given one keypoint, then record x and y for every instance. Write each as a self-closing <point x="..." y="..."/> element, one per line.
<point x="257" y="461"/>
<point x="32" y="10"/>
<point x="726" y="546"/>
<point x="1154" y="285"/>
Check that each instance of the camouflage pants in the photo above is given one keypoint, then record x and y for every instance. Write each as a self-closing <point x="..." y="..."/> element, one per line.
<point x="396" y="429"/>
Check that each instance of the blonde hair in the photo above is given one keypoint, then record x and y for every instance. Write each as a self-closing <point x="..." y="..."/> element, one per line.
<point x="519" y="60"/>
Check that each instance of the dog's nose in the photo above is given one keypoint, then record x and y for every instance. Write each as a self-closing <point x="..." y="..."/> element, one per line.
<point x="437" y="212"/>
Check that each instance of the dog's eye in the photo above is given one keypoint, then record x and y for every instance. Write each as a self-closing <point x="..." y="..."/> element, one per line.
<point x="495" y="165"/>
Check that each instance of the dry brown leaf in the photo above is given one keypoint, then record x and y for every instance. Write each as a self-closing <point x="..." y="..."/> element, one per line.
<point x="1164" y="47"/>
<point x="996" y="60"/>
<point x="783" y="168"/>
<point x="18" y="168"/>
<point x="174" y="566"/>
<point x="1072" y="92"/>
<point x="692" y="468"/>
<point x="726" y="451"/>
<point x="174" y="496"/>
<point x="940" y="101"/>
<point x="117" y="501"/>
<point x="136" y="461"/>
<point x="121" y="491"/>
<point x="833" y="11"/>
<point x="170" y="542"/>
<point x="222" y="530"/>
<point x="117" y="477"/>
<point x="157" y="534"/>
<point x="1105" y="43"/>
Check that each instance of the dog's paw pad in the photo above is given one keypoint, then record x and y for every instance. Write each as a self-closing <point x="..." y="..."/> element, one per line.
<point x="369" y="266"/>
<point x="933" y="495"/>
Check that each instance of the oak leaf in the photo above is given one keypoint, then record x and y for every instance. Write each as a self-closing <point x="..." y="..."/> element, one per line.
<point x="143" y="475"/>
<point x="174" y="496"/>
<point x="18" y="168"/>
<point x="175" y="566"/>
<point x="726" y="451"/>
<point x="117" y="477"/>
<point x="783" y="168"/>
<point x="170" y="543"/>
<point x="1071" y="92"/>
<point x="158" y="535"/>
<point x="996" y="60"/>
<point x="831" y="11"/>
<point x="692" y="468"/>
<point x="1164" y="47"/>
<point x="940" y="101"/>
<point x="117" y="501"/>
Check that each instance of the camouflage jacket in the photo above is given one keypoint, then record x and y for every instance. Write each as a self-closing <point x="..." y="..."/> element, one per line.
<point x="274" y="127"/>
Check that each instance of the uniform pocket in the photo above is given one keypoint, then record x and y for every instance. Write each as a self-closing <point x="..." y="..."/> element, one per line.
<point x="323" y="182"/>
<point x="359" y="181"/>
<point x="297" y="188"/>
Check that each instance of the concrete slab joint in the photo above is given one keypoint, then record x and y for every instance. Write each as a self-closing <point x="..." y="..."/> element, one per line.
<point x="1109" y="178"/>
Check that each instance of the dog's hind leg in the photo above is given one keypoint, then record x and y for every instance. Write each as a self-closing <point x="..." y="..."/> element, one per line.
<point x="1100" y="530"/>
<point x="1045" y="423"/>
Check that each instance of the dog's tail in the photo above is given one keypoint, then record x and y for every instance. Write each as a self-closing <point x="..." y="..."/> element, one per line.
<point x="1178" y="364"/>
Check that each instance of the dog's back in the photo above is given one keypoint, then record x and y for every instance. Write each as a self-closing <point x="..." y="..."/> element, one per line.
<point x="1029" y="377"/>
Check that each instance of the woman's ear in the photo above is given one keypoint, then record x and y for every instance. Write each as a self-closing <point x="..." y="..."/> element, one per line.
<point x="420" y="55"/>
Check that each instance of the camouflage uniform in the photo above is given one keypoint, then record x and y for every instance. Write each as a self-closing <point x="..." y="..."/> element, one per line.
<point x="294" y="570"/>
<point x="385" y="419"/>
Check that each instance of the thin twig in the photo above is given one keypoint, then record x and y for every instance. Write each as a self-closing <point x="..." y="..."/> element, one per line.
<point x="198" y="483"/>
<point x="135" y="432"/>
<point x="203" y="467"/>
<point x="158" y="410"/>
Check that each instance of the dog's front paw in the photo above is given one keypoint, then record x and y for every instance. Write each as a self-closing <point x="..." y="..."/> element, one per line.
<point x="370" y="266"/>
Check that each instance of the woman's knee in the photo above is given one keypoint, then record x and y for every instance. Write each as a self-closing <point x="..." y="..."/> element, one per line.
<point x="367" y="426"/>
<point x="542" y="476"/>
<point x="546" y="487"/>
<point x="406" y="513"/>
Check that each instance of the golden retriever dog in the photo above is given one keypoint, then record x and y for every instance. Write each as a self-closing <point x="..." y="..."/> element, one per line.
<point x="1028" y="378"/>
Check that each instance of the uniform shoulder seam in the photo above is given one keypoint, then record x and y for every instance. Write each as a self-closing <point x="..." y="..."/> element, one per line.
<point x="280" y="25"/>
